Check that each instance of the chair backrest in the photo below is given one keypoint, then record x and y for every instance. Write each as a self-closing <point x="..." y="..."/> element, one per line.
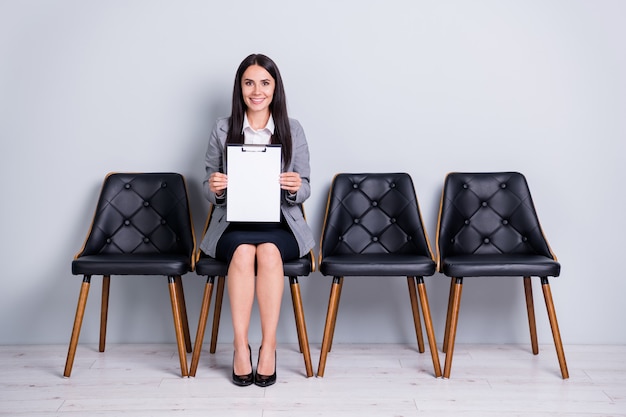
<point x="373" y="214"/>
<point x="141" y="213"/>
<point x="488" y="213"/>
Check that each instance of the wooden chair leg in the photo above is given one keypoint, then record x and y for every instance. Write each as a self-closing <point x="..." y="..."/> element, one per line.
<point x="78" y="322"/>
<point x="448" y="315"/>
<point x="204" y="315"/>
<point x="104" y="311"/>
<point x="430" y="331"/>
<point x="530" y="308"/>
<point x="303" y="338"/>
<point x="178" y="326"/>
<point x="217" y="312"/>
<point x="556" y="334"/>
<point x="332" y="332"/>
<point x="296" y="301"/>
<point x="329" y="327"/>
<point x="416" y="314"/>
<point x="453" y="320"/>
<point x="180" y="293"/>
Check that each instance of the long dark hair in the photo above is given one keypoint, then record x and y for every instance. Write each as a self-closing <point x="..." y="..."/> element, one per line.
<point x="278" y="107"/>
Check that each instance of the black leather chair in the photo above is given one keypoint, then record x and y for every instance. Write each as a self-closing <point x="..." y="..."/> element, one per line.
<point x="142" y="226"/>
<point x="373" y="227"/>
<point x="211" y="268"/>
<point x="488" y="227"/>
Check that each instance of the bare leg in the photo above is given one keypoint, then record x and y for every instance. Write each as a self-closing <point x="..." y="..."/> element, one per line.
<point x="241" y="293"/>
<point x="269" y="290"/>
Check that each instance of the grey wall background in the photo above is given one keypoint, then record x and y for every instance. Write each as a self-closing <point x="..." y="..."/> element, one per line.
<point x="425" y="87"/>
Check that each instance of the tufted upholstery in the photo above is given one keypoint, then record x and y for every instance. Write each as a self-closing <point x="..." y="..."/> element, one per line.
<point x="211" y="268"/>
<point x="373" y="227"/>
<point x="142" y="226"/>
<point x="488" y="226"/>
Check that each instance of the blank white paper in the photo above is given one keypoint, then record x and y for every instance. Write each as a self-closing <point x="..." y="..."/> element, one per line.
<point x="253" y="183"/>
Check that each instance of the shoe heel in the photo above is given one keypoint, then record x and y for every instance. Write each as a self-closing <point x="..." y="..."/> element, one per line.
<point x="243" y="380"/>
<point x="265" y="380"/>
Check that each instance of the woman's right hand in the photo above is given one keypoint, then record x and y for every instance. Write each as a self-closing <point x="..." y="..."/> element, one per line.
<point x="218" y="182"/>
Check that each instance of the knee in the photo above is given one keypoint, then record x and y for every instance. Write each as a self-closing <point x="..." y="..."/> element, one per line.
<point x="244" y="255"/>
<point x="268" y="255"/>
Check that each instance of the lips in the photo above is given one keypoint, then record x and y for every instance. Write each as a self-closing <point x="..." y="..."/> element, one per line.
<point x="256" y="100"/>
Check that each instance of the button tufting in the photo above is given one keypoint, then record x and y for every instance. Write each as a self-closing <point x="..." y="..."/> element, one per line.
<point x="109" y="241"/>
<point x="452" y="240"/>
<point x="163" y="185"/>
<point x="467" y="221"/>
<point x="503" y="185"/>
<point x="465" y="186"/>
<point x="340" y="238"/>
<point x="355" y="186"/>
<point x="126" y="222"/>
<point x="163" y="221"/>
<point x="127" y="186"/>
<point x="146" y="203"/>
<point x="356" y="221"/>
<point x="392" y="185"/>
<point x="505" y="222"/>
<point x="486" y="240"/>
<point x="374" y="239"/>
<point x="374" y="203"/>
<point x="484" y="204"/>
<point x="146" y="240"/>
<point x="392" y="220"/>
<point x="524" y="239"/>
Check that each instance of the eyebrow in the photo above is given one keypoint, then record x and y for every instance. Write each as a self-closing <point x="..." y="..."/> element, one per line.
<point x="250" y="79"/>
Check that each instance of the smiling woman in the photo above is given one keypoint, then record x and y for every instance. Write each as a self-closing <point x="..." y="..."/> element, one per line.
<point x="256" y="251"/>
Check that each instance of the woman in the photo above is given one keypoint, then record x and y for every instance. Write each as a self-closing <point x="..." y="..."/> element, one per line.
<point x="259" y="116"/>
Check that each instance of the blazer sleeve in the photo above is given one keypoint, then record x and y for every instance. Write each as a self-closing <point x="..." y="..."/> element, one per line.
<point x="214" y="158"/>
<point x="300" y="162"/>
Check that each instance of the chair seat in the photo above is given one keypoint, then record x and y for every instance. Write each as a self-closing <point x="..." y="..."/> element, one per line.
<point x="377" y="264"/>
<point x="131" y="264"/>
<point x="298" y="267"/>
<point x="500" y="265"/>
<point x="207" y="266"/>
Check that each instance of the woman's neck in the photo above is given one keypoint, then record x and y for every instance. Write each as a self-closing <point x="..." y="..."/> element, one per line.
<point x="258" y="120"/>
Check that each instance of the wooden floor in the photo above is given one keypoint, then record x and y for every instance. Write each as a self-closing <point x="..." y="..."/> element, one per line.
<point x="360" y="380"/>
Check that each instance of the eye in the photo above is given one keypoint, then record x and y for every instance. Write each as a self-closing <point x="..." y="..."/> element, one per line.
<point x="266" y="83"/>
<point x="247" y="83"/>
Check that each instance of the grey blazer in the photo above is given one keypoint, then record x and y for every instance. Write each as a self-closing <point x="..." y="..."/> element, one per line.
<point x="291" y="209"/>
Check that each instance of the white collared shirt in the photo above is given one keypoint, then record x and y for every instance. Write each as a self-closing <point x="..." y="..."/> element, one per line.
<point x="257" y="137"/>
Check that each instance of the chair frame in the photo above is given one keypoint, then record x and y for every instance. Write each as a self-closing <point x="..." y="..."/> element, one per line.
<point x="416" y="286"/>
<point x="454" y="303"/>
<point x="177" y="299"/>
<point x="296" y="297"/>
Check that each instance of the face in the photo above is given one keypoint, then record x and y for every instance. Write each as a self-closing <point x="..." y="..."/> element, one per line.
<point x="257" y="88"/>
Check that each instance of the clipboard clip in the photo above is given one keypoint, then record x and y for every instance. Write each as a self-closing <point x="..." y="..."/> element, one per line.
<point x="254" y="148"/>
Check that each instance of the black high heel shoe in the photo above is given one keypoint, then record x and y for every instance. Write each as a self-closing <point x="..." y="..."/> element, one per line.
<point x="243" y="380"/>
<point x="265" y="380"/>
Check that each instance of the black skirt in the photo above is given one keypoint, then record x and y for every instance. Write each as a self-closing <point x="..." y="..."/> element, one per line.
<point x="256" y="233"/>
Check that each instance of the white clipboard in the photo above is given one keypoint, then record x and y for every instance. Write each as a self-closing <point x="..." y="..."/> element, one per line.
<point x="253" y="183"/>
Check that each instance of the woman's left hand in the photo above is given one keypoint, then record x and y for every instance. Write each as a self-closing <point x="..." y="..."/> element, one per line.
<point x="290" y="181"/>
